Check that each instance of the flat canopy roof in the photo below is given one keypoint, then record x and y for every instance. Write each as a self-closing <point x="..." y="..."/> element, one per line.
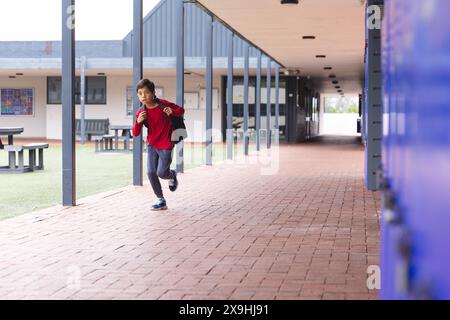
<point x="122" y="66"/>
<point x="338" y="26"/>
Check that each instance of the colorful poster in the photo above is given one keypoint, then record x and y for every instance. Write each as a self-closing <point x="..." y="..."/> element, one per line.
<point x="16" y="102"/>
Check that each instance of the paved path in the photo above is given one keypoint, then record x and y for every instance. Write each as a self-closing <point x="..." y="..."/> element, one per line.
<point x="308" y="232"/>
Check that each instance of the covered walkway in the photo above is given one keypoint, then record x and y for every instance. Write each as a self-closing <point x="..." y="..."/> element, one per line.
<point x="309" y="231"/>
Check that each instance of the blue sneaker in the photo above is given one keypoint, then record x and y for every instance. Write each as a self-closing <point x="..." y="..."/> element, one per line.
<point x="173" y="183"/>
<point x="160" y="204"/>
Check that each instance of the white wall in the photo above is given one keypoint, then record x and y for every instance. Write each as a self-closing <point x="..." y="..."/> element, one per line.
<point x="115" y="109"/>
<point x="35" y="125"/>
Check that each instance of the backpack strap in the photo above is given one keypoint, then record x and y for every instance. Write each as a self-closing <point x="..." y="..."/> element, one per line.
<point x="145" y="122"/>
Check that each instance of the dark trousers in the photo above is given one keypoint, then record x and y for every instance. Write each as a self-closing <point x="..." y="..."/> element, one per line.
<point x="158" y="166"/>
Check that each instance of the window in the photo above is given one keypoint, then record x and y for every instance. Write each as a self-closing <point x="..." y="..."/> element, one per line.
<point x="16" y="102"/>
<point x="54" y="90"/>
<point x="282" y="94"/>
<point x="238" y="91"/>
<point x="238" y="98"/>
<point x="131" y="92"/>
<point x="95" y="92"/>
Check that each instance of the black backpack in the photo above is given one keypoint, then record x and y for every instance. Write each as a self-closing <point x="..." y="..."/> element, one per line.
<point x="179" y="131"/>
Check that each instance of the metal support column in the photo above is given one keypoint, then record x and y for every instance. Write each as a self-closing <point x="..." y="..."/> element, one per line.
<point x="137" y="76"/>
<point x="246" y="94"/>
<point x="268" y="104"/>
<point x="258" y="100"/>
<point x="180" y="75"/>
<point x="277" y="97"/>
<point x="68" y="103"/>
<point x="82" y="98"/>
<point x="230" y="138"/>
<point x="374" y="104"/>
<point x="209" y="88"/>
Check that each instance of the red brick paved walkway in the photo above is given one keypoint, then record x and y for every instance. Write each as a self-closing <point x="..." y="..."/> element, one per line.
<point x="308" y="232"/>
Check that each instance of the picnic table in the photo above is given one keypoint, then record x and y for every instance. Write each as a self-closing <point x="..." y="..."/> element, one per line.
<point x="18" y="150"/>
<point x="10" y="132"/>
<point x="126" y="136"/>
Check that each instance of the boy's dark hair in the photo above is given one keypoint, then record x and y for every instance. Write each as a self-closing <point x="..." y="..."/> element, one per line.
<point x="145" y="83"/>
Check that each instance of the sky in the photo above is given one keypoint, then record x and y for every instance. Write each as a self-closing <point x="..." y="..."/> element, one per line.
<point x="40" y="20"/>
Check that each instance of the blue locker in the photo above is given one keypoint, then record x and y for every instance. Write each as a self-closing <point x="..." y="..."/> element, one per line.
<point x="415" y="249"/>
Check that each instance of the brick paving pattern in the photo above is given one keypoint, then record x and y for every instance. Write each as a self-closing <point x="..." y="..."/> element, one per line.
<point x="308" y="232"/>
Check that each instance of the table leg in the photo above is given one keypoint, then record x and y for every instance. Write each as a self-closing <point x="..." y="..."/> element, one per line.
<point x="124" y="136"/>
<point x="32" y="159"/>
<point x="10" y="139"/>
<point x="21" y="163"/>
<point x="12" y="160"/>
<point x="116" y="139"/>
<point x="41" y="159"/>
<point x="128" y="135"/>
<point x="1" y="144"/>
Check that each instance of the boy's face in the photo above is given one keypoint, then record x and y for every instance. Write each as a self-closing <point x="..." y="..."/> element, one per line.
<point x="145" y="96"/>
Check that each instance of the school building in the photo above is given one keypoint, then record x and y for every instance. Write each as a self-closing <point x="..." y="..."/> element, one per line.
<point x="30" y="81"/>
<point x="338" y="220"/>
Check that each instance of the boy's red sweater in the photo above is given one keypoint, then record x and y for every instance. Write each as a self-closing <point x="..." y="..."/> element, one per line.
<point x="159" y="125"/>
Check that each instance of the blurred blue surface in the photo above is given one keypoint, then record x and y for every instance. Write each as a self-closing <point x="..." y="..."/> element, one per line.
<point x="416" y="148"/>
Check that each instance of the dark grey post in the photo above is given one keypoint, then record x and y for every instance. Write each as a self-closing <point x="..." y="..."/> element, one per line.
<point x="258" y="101"/>
<point x="246" y="82"/>
<point x="82" y="98"/>
<point x="268" y="104"/>
<point x="209" y="84"/>
<point x="137" y="75"/>
<point x="277" y="98"/>
<point x="230" y="138"/>
<point x="374" y="105"/>
<point x="180" y="76"/>
<point x="68" y="103"/>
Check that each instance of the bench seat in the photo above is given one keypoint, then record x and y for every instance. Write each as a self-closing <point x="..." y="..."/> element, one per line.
<point x="32" y="163"/>
<point x="93" y="127"/>
<point x="105" y="141"/>
<point x="35" y="146"/>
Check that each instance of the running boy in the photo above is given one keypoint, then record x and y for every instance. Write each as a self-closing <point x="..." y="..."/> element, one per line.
<point x="155" y="114"/>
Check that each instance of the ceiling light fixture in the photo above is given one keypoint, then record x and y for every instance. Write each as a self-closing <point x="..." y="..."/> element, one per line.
<point x="335" y="82"/>
<point x="332" y="76"/>
<point x="292" y="72"/>
<point x="327" y="68"/>
<point x="289" y="2"/>
<point x="19" y="74"/>
<point x="321" y="56"/>
<point x="309" y="37"/>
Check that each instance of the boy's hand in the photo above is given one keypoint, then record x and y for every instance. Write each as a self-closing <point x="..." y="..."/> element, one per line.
<point x="168" y="111"/>
<point x="142" y="117"/>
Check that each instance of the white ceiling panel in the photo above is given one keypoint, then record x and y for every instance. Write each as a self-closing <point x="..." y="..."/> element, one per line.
<point x="338" y="26"/>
